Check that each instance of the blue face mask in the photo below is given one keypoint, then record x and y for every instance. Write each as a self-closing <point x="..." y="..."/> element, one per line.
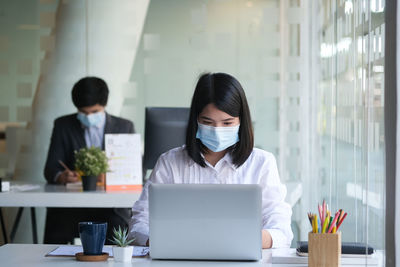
<point x="218" y="138"/>
<point x="91" y="120"/>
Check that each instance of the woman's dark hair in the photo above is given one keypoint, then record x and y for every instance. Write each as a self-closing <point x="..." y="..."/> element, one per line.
<point x="89" y="91"/>
<point x="226" y="93"/>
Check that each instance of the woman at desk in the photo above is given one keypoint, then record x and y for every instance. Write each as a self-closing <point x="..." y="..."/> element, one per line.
<point x="220" y="149"/>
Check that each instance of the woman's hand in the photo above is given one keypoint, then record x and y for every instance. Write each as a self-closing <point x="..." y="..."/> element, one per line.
<point x="266" y="239"/>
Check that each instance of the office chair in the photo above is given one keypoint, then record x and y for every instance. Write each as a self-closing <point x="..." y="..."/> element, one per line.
<point x="165" y="128"/>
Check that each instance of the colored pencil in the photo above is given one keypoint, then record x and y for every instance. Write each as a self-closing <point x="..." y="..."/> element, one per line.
<point x="320" y="211"/>
<point x="323" y="214"/>
<point x="323" y="222"/>
<point x="333" y="223"/>
<point x="325" y="225"/>
<point x="340" y="223"/>
<point x="315" y="223"/>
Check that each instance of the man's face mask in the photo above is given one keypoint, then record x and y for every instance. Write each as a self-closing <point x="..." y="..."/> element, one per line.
<point x="90" y="120"/>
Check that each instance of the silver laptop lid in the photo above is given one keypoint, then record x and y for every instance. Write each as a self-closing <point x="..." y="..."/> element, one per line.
<point x="205" y="221"/>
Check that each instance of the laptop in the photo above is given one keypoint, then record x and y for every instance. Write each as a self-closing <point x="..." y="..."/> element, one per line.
<point x="205" y="221"/>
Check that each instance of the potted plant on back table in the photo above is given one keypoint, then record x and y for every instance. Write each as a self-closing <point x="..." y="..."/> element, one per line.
<point x="90" y="163"/>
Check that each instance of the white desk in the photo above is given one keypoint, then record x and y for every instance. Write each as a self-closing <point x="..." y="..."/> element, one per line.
<point x="34" y="255"/>
<point x="60" y="196"/>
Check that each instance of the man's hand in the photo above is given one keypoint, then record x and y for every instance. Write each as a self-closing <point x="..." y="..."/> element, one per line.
<point x="101" y="178"/>
<point x="67" y="177"/>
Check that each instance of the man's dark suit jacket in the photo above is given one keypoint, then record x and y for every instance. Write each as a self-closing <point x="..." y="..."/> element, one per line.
<point x="67" y="137"/>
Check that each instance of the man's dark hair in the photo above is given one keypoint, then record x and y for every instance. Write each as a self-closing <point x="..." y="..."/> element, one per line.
<point x="226" y="93"/>
<point x="89" y="91"/>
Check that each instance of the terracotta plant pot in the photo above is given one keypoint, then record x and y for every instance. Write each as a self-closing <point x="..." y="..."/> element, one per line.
<point x="122" y="254"/>
<point x="89" y="183"/>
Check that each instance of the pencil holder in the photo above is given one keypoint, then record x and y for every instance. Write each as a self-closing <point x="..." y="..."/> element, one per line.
<point x="324" y="250"/>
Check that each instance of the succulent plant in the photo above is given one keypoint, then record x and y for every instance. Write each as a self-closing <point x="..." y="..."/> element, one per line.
<point x="120" y="237"/>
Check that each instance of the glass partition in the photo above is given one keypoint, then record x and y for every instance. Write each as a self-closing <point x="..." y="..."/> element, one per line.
<point x="349" y="138"/>
<point x="312" y="71"/>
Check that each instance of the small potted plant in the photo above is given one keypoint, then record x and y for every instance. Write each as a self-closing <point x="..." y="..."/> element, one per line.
<point x="90" y="163"/>
<point x="122" y="251"/>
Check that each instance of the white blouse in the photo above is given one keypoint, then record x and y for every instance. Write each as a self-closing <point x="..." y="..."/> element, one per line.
<point x="175" y="166"/>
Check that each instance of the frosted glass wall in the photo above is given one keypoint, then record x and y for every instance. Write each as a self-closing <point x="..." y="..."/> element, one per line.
<point x="349" y="89"/>
<point x="312" y="72"/>
<point x="25" y="37"/>
<point x="52" y="44"/>
<point x="262" y="43"/>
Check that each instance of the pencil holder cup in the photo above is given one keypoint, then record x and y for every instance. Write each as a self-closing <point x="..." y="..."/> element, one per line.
<point x="324" y="250"/>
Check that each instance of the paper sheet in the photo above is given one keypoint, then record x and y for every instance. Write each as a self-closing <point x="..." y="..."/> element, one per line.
<point x="125" y="160"/>
<point x="70" y="251"/>
<point x="24" y="187"/>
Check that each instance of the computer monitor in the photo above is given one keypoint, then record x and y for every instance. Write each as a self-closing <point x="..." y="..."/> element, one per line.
<point x="165" y="128"/>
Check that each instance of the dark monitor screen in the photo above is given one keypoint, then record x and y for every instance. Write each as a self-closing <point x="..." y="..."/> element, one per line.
<point x="165" y="128"/>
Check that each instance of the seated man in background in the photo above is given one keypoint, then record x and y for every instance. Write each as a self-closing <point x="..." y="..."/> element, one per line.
<point x="72" y="132"/>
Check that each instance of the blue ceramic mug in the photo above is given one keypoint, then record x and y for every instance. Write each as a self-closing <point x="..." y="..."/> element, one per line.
<point x="93" y="236"/>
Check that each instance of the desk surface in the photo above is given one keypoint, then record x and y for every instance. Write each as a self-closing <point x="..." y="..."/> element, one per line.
<point x="60" y="196"/>
<point x="34" y="255"/>
<point x="44" y="195"/>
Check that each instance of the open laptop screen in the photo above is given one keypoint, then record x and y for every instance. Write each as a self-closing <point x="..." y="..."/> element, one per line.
<point x="205" y="221"/>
